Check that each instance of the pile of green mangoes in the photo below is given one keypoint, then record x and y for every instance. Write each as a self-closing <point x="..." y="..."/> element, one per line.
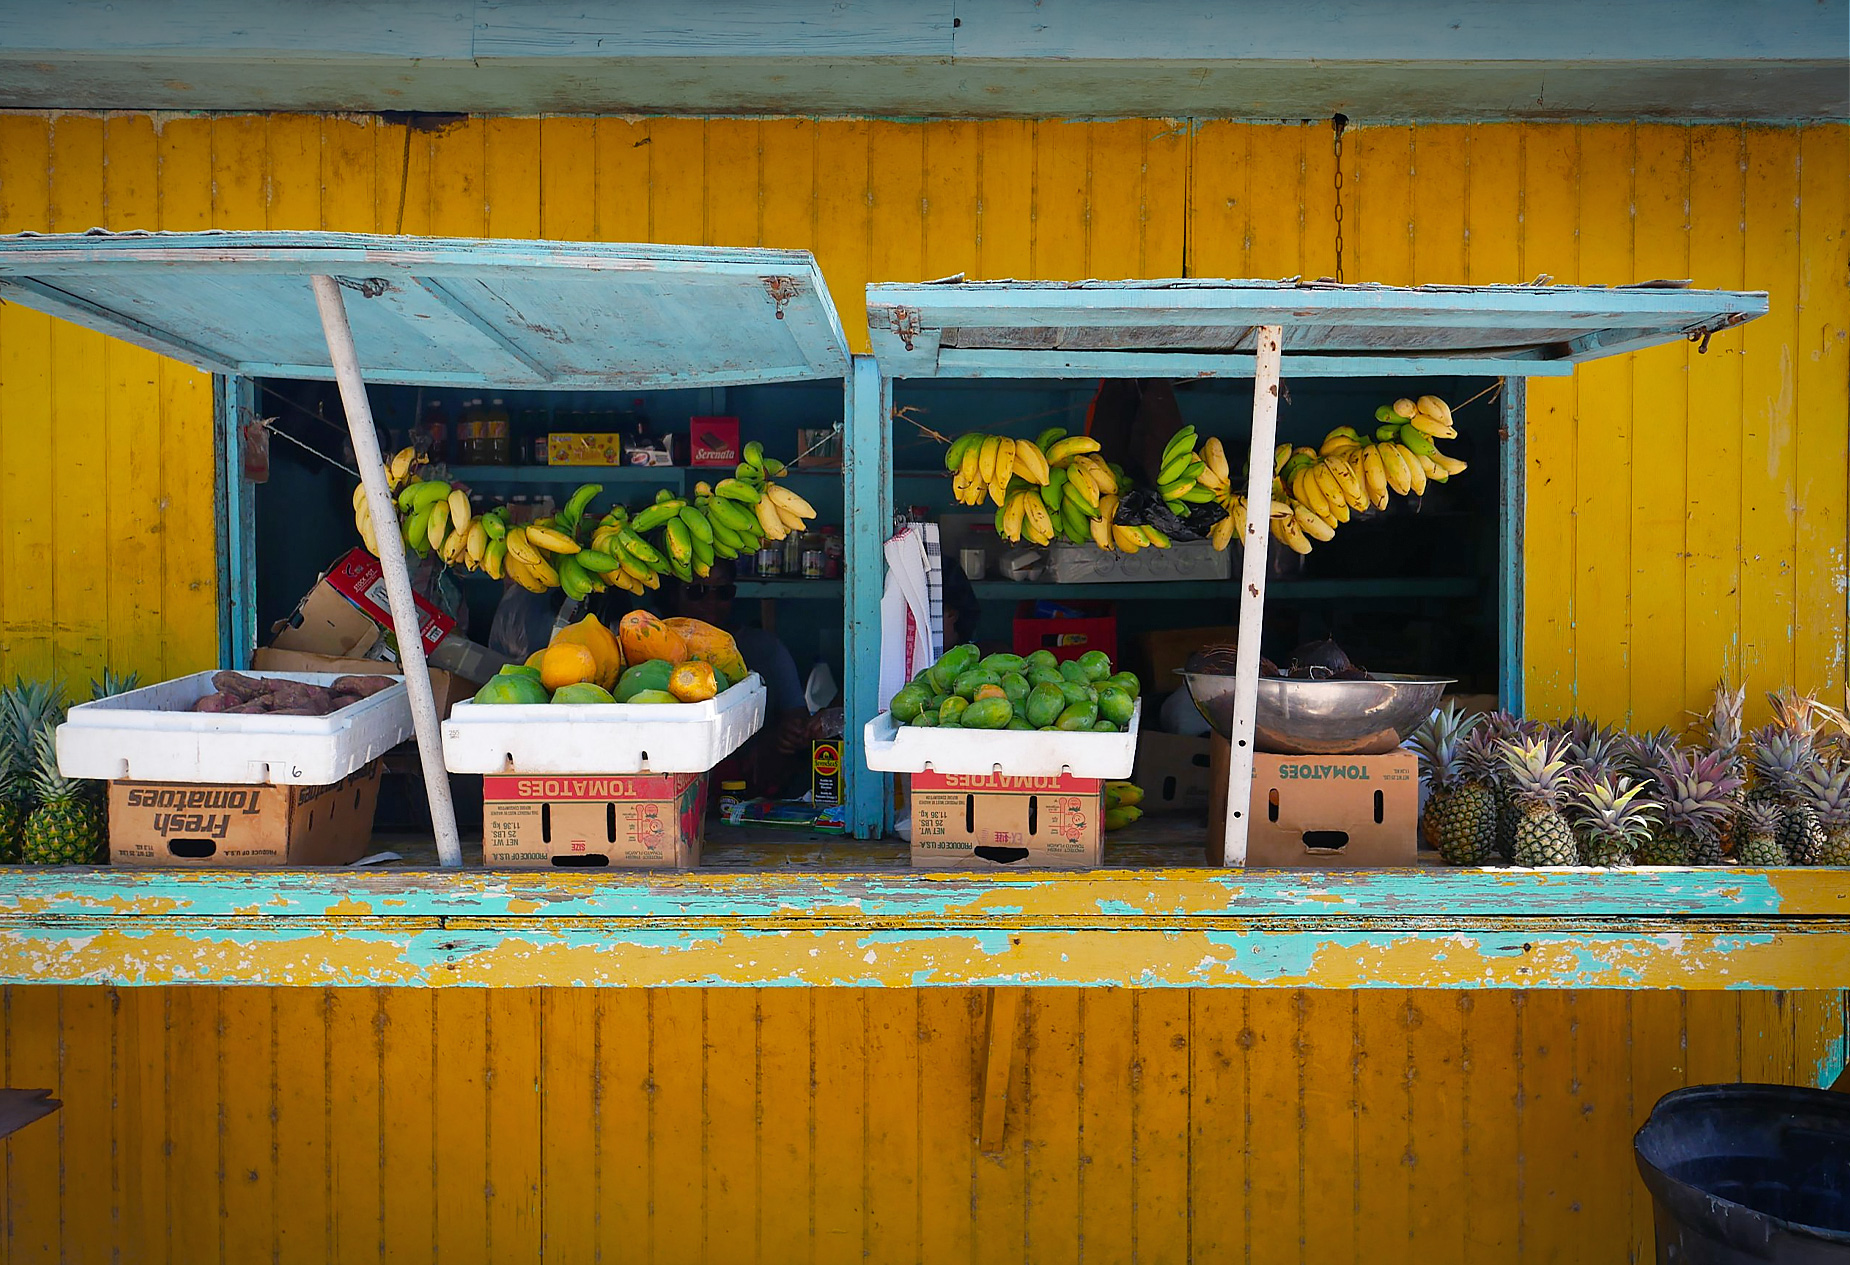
<point x="965" y="690"/>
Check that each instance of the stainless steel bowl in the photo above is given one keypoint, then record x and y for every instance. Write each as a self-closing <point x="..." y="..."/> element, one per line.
<point x="1324" y="717"/>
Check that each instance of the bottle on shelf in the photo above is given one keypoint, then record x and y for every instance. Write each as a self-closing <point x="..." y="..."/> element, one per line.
<point x="433" y="437"/>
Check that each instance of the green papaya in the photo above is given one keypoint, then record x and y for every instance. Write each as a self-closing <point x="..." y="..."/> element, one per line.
<point x="650" y="674"/>
<point x="1042" y="659"/>
<point x="1096" y="664"/>
<point x="1015" y="685"/>
<point x="988" y="713"/>
<point x="953" y="710"/>
<point x="1071" y="671"/>
<point x="936" y="701"/>
<point x="1077" y="716"/>
<point x="924" y="720"/>
<point x="1126" y="681"/>
<point x="1103" y="726"/>
<point x="952" y="664"/>
<point x="1045" y="703"/>
<point x="1000" y="663"/>
<point x="908" y="703"/>
<point x="950" y="724"/>
<point x="1115" y="705"/>
<point x="652" y="696"/>
<point x="1041" y="674"/>
<point x="969" y="682"/>
<point x="1077" y="692"/>
<point x="1018" y="723"/>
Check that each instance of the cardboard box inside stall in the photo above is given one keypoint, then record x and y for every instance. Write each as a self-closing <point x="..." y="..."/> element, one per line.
<point x="1174" y="771"/>
<point x="565" y="821"/>
<point x="964" y="822"/>
<point x="1342" y="812"/>
<point x="242" y="827"/>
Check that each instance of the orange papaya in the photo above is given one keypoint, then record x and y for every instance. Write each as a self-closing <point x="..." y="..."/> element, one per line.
<point x="692" y="681"/>
<point x="602" y="644"/>
<point x="710" y="645"/>
<point x="643" y="637"/>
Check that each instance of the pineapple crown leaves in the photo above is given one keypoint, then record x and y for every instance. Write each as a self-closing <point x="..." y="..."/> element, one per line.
<point x="1616" y="809"/>
<point x="1722" y="723"/>
<point x="48" y="784"/>
<point x="1602" y="756"/>
<point x="1437" y="743"/>
<point x="1825" y="788"/>
<point x="1780" y="756"/>
<point x="26" y="707"/>
<point x="1480" y="756"/>
<point x="1536" y="767"/>
<point x="110" y="684"/>
<point x="1697" y="789"/>
<point x="1794" y="712"/>
<point x="1762" y="819"/>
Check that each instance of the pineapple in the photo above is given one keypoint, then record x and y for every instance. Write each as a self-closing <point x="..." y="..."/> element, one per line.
<point x="1613" y="819"/>
<point x="67" y="827"/>
<point x="25" y="707"/>
<point x="1536" y="771"/>
<point x="1826" y="788"/>
<point x="1757" y="837"/>
<point x="1782" y="758"/>
<point x="1696" y="789"/>
<point x="1461" y="809"/>
<point x="110" y="685"/>
<point x="1497" y="728"/>
<point x="1723" y="734"/>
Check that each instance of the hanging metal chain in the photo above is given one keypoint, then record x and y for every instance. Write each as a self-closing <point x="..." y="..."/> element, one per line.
<point x="1337" y="123"/>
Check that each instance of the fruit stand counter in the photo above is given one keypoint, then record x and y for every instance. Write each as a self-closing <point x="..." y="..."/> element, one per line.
<point x="1175" y="927"/>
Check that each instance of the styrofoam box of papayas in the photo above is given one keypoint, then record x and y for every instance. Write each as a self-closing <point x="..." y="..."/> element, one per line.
<point x="151" y="735"/>
<point x="893" y="748"/>
<point x="602" y="738"/>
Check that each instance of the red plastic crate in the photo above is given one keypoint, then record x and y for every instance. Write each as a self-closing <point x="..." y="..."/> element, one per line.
<point x="1068" y="638"/>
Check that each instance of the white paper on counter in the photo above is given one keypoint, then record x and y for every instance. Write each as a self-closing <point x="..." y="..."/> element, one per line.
<point x="911" y="606"/>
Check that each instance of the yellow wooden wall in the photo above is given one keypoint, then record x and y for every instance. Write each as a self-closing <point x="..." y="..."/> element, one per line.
<point x="781" y="1125"/>
<point x="1686" y="512"/>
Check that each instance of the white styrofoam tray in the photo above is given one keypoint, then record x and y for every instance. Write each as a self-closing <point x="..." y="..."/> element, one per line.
<point x="149" y="735"/>
<point x="602" y="737"/>
<point x="1015" y="752"/>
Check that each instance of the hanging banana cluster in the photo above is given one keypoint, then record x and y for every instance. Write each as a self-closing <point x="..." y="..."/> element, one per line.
<point x="580" y="556"/>
<point x="1054" y="486"/>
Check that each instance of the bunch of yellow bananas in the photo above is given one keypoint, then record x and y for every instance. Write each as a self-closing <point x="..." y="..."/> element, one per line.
<point x="983" y="466"/>
<point x="400" y="471"/>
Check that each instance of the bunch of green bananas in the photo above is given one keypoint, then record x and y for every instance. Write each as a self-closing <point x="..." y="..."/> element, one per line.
<point x="1056" y="485"/>
<point x="1121" y="804"/>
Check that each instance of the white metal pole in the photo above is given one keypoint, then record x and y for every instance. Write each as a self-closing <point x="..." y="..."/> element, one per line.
<point x="346" y="361"/>
<point x="1256" y="546"/>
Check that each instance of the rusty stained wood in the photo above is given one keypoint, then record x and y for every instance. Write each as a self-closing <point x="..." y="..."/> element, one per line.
<point x="1002" y="1030"/>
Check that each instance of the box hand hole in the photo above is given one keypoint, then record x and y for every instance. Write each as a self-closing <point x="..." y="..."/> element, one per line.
<point x="1034" y="815"/>
<point x="1326" y="840"/>
<point x="1168" y="794"/>
<point x="610" y="821"/>
<point x="1271" y="804"/>
<point x="1380" y="808"/>
<point x="192" y="849"/>
<point x="969" y="814"/>
<point x="545" y="823"/>
<point x="581" y="861"/>
<point x="1001" y="856"/>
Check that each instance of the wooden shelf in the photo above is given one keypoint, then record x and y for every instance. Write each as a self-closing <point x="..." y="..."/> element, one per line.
<point x="663" y="476"/>
<point x="1195" y="590"/>
<point x="791" y="589"/>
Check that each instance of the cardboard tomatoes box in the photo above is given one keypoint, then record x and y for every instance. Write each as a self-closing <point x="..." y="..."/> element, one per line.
<point x="584" y="448"/>
<point x="1094" y="627"/>
<point x="1174" y="771"/>
<point x="1323" y="811"/>
<point x="712" y="441"/>
<point x="644" y="821"/>
<point x="242" y="827"/>
<point x="346" y="614"/>
<point x="995" y="821"/>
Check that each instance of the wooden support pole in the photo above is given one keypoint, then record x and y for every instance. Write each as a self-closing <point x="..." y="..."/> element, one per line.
<point x="346" y="360"/>
<point x="1256" y="544"/>
<point x="1001" y="1030"/>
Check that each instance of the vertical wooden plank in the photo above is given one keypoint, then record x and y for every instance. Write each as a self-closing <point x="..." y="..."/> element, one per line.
<point x="1227" y="1154"/>
<point x="458" y="196"/>
<point x="1654" y="1030"/>
<point x="240" y="172"/>
<point x="947" y="1120"/>
<point x="459" y="1163"/>
<point x="895" y="1161"/>
<point x="895" y="202"/>
<point x="195" y="1161"/>
<point x="301" y="1100"/>
<point x="623" y="1156"/>
<point x="842" y="241"/>
<point x="1605" y="577"/>
<point x="1600" y="1164"/>
<point x="1006" y="227"/>
<point x="90" y="1211"/>
<point x="1105" y="1077"/>
<point x="511" y="1078"/>
<point x="1320" y="195"/>
<point x="1493" y="204"/>
<point x="1660" y="689"/>
<point x="1160" y="1125"/>
<point x="1818" y="1037"/>
<point x="1550" y="244"/>
<point x="1712" y="1037"/>
<point x="568" y="178"/>
<point x="1167" y="144"/>
<point x="1062" y="200"/>
<point x="735" y="189"/>
<point x="1770" y="350"/>
<point x="79" y="525"/>
<point x="1326" y="1158"/>
<point x="350" y="175"/>
<point x="787" y="208"/>
<point x="1275" y="224"/>
<point x="25" y="396"/>
<point x="1272" y="1041"/>
<point x="143" y="1138"/>
<point x="1217" y="199"/>
<point x="1820" y="393"/>
<point x="786" y="1130"/>
<point x="677" y="1070"/>
<point x="952" y="161"/>
<point x="677" y="180"/>
<point x="1714" y="469"/>
<point x="623" y="147"/>
<point x="1767" y="1037"/>
<point x="999" y="1229"/>
<point x="1118" y="196"/>
<point x="730" y="1124"/>
<point x="401" y="189"/>
<point x="1381" y="233"/>
<point x="1435" y="1126"/>
<point x="839" y="1075"/>
<point x="247" y="1132"/>
<point x="511" y="176"/>
<point x="410" y="1086"/>
<point x="356" y="1124"/>
<point x="1492" y="1110"/>
<point x="1051" y="1124"/>
<point x="292" y="147"/>
<point x="131" y="420"/>
<point x="1381" y="1120"/>
<point x="568" y="1122"/>
<point x="33" y="1031"/>
<point x="1440" y="163"/>
<point x="1550" y="1218"/>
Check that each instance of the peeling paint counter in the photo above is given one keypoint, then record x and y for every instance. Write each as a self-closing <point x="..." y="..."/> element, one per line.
<point x="1172" y="927"/>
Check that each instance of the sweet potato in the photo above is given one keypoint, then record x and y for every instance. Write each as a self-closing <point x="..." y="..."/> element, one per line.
<point x="254" y="707"/>
<point x="215" y="703"/>
<point x="362" y="686"/>
<point x="241" y="687"/>
<point x="298" y="698"/>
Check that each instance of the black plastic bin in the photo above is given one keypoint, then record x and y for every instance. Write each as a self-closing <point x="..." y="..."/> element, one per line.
<point x="1749" y="1173"/>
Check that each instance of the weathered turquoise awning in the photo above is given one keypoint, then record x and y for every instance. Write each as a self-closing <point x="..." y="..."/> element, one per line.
<point x="1189" y="328"/>
<point x="444" y="311"/>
